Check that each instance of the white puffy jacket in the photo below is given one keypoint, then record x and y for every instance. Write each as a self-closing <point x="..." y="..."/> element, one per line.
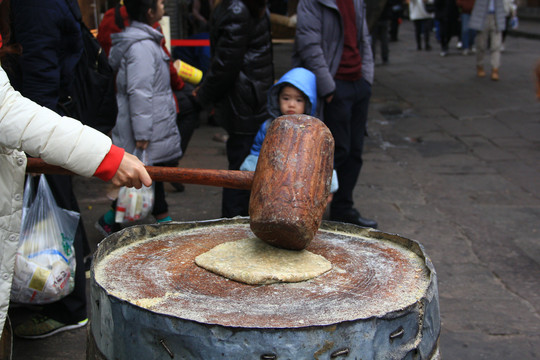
<point x="40" y="132"/>
<point x="417" y="10"/>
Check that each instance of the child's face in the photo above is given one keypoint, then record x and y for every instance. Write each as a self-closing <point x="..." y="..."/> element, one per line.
<point x="157" y="14"/>
<point x="291" y="101"/>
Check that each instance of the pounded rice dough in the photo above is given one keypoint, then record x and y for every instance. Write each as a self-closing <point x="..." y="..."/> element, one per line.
<point x="254" y="262"/>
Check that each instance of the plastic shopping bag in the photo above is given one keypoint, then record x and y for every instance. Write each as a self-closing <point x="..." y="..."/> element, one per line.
<point x="135" y="204"/>
<point x="45" y="260"/>
<point x="514" y="23"/>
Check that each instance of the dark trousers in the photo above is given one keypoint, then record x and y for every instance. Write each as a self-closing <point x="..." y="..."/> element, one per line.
<point x="188" y="117"/>
<point x="447" y="29"/>
<point x="380" y="35"/>
<point x="160" y="204"/>
<point x="72" y="308"/>
<point x="346" y="117"/>
<point x="422" y="27"/>
<point x="236" y="202"/>
<point x="394" y="25"/>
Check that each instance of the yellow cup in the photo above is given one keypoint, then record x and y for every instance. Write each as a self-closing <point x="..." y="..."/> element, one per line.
<point x="187" y="72"/>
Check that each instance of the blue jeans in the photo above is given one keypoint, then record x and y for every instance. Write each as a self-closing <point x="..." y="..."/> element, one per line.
<point x="467" y="35"/>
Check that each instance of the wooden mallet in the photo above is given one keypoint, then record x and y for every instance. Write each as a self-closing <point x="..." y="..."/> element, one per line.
<point x="292" y="181"/>
<point x="289" y="188"/>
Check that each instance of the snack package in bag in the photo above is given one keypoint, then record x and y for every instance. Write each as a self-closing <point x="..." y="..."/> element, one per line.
<point x="45" y="260"/>
<point x="135" y="204"/>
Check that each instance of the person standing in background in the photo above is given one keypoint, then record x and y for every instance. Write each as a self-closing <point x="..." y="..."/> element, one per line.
<point x="510" y="9"/>
<point x="200" y="14"/>
<point x="115" y="20"/>
<point x="489" y="19"/>
<point x="447" y="14"/>
<point x="381" y="32"/>
<point x="146" y="119"/>
<point x="396" y="18"/>
<point x="423" y="23"/>
<point x="467" y="34"/>
<point x="27" y="127"/>
<point x="241" y="72"/>
<point x="332" y="40"/>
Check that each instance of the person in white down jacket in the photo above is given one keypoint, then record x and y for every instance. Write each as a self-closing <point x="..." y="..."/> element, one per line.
<point x="26" y="127"/>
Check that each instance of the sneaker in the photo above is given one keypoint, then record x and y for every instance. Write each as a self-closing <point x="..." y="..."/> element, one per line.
<point x="444" y="53"/>
<point x="219" y="137"/>
<point x="41" y="326"/>
<point x="164" y="220"/>
<point x="106" y="229"/>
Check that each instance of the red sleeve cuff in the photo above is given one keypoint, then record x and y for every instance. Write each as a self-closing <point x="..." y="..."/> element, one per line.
<point x="110" y="164"/>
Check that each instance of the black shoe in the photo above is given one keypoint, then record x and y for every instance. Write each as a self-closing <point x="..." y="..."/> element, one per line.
<point x="179" y="187"/>
<point x="105" y="228"/>
<point x="352" y="216"/>
<point x="87" y="263"/>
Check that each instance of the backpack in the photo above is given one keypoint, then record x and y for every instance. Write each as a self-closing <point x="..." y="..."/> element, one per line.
<point x="93" y="97"/>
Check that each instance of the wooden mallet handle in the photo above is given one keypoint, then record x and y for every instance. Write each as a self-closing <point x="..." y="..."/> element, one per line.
<point x="233" y="179"/>
<point x="289" y="188"/>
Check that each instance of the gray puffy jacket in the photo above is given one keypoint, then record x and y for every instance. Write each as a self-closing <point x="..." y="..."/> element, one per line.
<point x="480" y="12"/>
<point x="319" y="42"/>
<point x="146" y="107"/>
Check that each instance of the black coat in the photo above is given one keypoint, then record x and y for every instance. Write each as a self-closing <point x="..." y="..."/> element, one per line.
<point x="446" y="10"/>
<point x="241" y="68"/>
<point x="51" y="39"/>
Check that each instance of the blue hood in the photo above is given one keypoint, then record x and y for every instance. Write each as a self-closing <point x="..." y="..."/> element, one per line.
<point x="304" y="80"/>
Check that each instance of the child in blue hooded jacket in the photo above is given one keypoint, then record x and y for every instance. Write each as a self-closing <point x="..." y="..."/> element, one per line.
<point x="294" y="93"/>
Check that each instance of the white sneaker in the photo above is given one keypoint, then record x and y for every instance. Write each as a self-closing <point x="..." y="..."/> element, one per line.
<point x="459" y="45"/>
